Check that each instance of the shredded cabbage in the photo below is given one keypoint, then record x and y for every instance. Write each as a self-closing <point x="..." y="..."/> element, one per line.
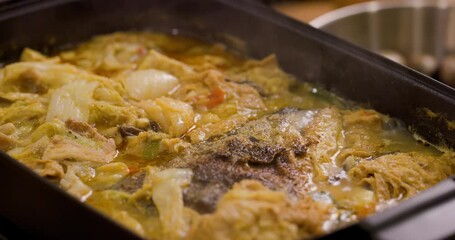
<point x="74" y="185"/>
<point x="71" y="101"/>
<point x="109" y="174"/>
<point x="149" y="84"/>
<point x="167" y="196"/>
<point x="162" y="62"/>
<point x="174" y="117"/>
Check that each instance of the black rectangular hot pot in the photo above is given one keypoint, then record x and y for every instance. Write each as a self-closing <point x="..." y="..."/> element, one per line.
<point x="31" y="207"/>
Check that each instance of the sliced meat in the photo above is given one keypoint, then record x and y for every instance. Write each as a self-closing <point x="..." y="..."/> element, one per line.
<point x="85" y="130"/>
<point x="83" y="143"/>
<point x="62" y="148"/>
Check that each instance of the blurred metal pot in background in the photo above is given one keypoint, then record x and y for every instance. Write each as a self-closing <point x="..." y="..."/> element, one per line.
<point x="417" y="33"/>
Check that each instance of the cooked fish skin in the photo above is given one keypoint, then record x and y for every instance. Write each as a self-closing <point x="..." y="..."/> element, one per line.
<point x="275" y="150"/>
<point x="270" y="150"/>
<point x="131" y="183"/>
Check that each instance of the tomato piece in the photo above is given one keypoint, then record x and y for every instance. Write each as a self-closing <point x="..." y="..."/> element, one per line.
<point x="216" y="97"/>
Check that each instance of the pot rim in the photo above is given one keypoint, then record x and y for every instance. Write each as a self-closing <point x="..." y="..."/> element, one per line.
<point x="376" y="6"/>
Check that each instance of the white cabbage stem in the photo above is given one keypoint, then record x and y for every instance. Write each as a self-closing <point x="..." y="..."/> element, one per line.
<point x="149" y="84"/>
<point x="72" y="101"/>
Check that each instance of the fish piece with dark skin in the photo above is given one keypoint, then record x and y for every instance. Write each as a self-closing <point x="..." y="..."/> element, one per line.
<point x="270" y="150"/>
<point x="274" y="150"/>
